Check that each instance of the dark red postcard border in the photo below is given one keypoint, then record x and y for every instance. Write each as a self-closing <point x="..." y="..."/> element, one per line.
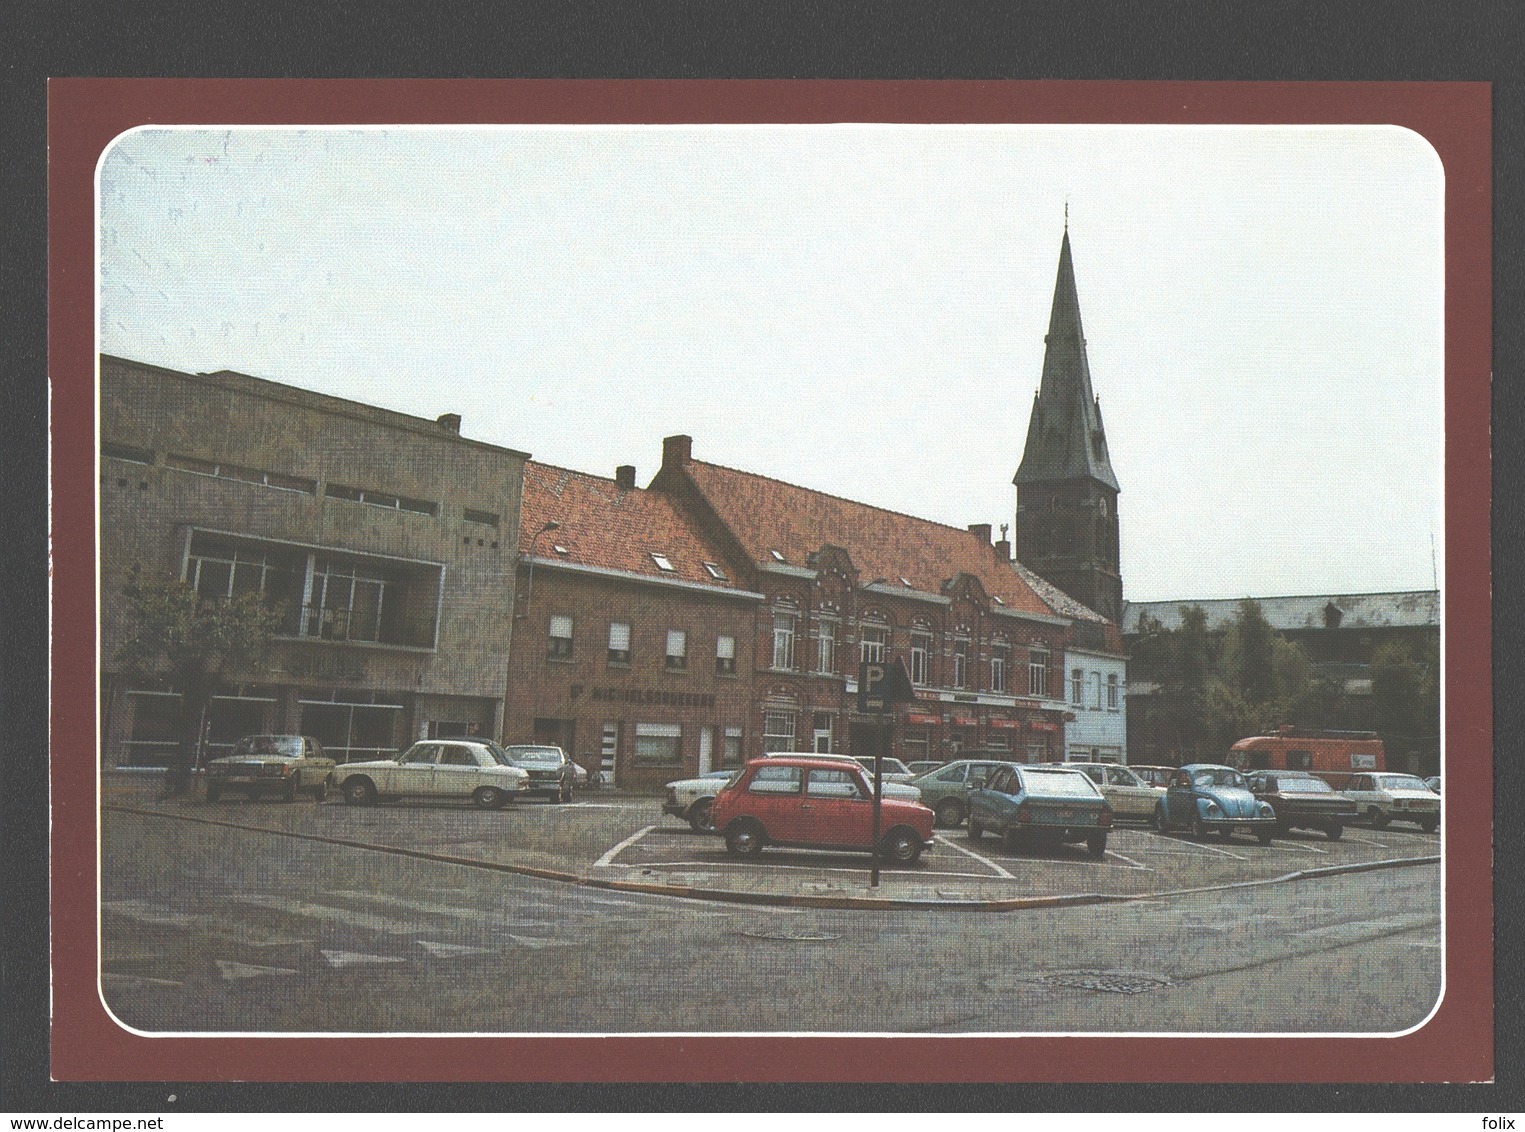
<point x="1455" y="1046"/>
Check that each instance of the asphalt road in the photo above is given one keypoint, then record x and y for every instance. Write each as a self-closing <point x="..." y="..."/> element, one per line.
<point x="214" y="928"/>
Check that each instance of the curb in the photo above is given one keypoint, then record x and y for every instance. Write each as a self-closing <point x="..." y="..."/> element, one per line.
<point x="780" y="900"/>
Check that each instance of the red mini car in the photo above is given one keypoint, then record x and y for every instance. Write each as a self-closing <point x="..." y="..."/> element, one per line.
<point x="816" y="803"/>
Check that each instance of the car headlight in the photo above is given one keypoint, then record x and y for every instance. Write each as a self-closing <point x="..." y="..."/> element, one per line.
<point x="1210" y="807"/>
<point x="1266" y="811"/>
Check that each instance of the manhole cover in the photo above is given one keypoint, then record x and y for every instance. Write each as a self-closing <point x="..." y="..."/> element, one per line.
<point x="1115" y="982"/>
<point x="793" y="937"/>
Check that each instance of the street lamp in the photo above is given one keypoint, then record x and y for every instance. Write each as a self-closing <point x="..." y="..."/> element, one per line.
<point x="529" y="589"/>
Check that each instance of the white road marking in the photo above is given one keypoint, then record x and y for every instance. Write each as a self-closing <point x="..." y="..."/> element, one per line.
<point x="145" y="913"/>
<point x="356" y="958"/>
<point x="1130" y="860"/>
<point x="1204" y="848"/>
<point x="989" y="864"/>
<point x="1367" y="841"/>
<point x="608" y="858"/>
<point x="370" y="921"/>
<point x="451" y="950"/>
<point x="455" y="911"/>
<point x="231" y="970"/>
<point x="540" y="944"/>
<point x="1298" y="847"/>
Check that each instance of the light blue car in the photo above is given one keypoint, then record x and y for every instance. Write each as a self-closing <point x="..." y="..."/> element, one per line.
<point x="1207" y="798"/>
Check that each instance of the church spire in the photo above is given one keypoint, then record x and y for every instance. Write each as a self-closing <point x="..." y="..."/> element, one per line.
<point x="1065" y="439"/>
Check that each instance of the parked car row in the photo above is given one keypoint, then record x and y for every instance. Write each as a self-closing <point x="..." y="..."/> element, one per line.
<point x="481" y="770"/>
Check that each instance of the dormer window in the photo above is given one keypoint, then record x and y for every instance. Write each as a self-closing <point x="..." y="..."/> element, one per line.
<point x="778" y="556"/>
<point x="561" y="550"/>
<point x="906" y="583"/>
<point x="714" y="571"/>
<point x="663" y="562"/>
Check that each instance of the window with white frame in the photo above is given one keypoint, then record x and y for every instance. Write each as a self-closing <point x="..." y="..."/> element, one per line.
<point x="960" y="662"/>
<point x="725" y="655"/>
<point x="1037" y="672"/>
<point x="559" y="646"/>
<point x="1000" y="654"/>
<point x="778" y="731"/>
<point x="921" y="652"/>
<point x="619" y="642"/>
<point x="730" y="753"/>
<point x="822" y="732"/>
<point x="677" y="650"/>
<point x="826" y="646"/>
<point x="871" y="647"/>
<point x="783" y="639"/>
<point x="1114" y="692"/>
<point x="1095" y="684"/>
<point x="1077" y="686"/>
<point x="658" y="744"/>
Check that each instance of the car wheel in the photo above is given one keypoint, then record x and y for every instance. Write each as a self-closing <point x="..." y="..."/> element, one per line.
<point x="950" y="812"/>
<point x="1430" y="825"/>
<point x="1199" y="828"/>
<point x="214" y="792"/>
<point x="488" y="798"/>
<point x="1263" y="836"/>
<point x="976" y="830"/>
<point x="1333" y="831"/>
<point x="744" y="839"/>
<point x="1378" y="818"/>
<point x="901" y="847"/>
<point x="359" y="792"/>
<point x="1096" y="844"/>
<point x="699" y="815"/>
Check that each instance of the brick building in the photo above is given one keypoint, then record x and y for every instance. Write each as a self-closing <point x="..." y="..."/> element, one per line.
<point x="633" y="632"/>
<point x="387" y="541"/>
<point x="983" y="638"/>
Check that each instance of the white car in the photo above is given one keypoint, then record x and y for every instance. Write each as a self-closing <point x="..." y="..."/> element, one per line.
<point x="1127" y="794"/>
<point x="1384" y="798"/>
<point x="690" y="798"/>
<point x="890" y="770"/>
<point x="478" y="769"/>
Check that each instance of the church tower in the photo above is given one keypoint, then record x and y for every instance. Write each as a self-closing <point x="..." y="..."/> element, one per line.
<point x="1067" y="530"/>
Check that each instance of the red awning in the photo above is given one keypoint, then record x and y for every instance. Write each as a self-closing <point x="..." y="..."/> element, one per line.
<point x="1007" y="724"/>
<point x="965" y="721"/>
<point x="918" y="717"/>
<point x="1043" y="725"/>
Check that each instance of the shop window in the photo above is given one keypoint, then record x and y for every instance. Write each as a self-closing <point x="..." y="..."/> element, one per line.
<point x="658" y="744"/>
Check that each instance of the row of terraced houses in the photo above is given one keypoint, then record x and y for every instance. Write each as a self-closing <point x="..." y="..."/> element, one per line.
<point x="433" y="585"/>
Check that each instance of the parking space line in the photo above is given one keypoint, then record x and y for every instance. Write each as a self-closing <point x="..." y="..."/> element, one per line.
<point x="1130" y="860"/>
<point x="1196" y="845"/>
<point x="1368" y="841"/>
<point x="607" y="858"/>
<point x="1296" y="846"/>
<point x="941" y="840"/>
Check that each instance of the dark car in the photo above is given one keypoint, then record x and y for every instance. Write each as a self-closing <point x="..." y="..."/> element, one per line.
<point x="283" y="765"/>
<point x="1303" y="801"/>
<point x="1045" y="805"/>
<point x="552" y="773"/>
<point x="1211" y="798"/>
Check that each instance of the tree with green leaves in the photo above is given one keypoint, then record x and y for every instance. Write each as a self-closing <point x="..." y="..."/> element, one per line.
<point x="195" y="645"/>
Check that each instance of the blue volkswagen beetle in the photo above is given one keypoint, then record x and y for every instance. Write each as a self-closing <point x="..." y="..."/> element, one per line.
<point x="1206" y="797"/>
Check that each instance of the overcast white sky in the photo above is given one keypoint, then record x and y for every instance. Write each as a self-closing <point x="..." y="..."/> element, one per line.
<point x="858" y="309"/>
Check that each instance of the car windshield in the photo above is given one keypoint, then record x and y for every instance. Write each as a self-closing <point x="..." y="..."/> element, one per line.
<point x="1303" y="786"/>
<point x="288" y="745"/>
<point x="535" y="756"/>
<point x="1218" y="776"/>
<point x="1400" y="782"/>
<point x="1069" y="783"/>
<point x="499" y="755"/>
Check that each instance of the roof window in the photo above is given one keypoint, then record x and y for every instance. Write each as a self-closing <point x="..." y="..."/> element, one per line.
<point x="559" y="549"/>
<point x="662" y="561"/>
<point x="714" y="571"/>
<point x="906" y="584"/>
<point x="778" y="556"/>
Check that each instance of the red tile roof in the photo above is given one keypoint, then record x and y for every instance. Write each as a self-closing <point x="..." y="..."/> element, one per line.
<point x="767" y="515"/>
<point x="614" y="528"/>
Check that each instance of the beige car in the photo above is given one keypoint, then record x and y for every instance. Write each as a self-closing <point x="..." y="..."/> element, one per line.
<point x="1127" y="794"/>
<point x="283" y="765"/>
<point x="478" y="769"/>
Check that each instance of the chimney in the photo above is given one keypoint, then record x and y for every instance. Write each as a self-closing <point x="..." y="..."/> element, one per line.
<point x="677" y="450"/>
<point x="1003" y="550"/>
<point x="980" y="531"/>
<point x="450" y="422"/>
<point x="624" y="477"/>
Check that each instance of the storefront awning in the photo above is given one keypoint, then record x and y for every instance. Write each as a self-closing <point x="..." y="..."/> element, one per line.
<point x="922" y="718"/>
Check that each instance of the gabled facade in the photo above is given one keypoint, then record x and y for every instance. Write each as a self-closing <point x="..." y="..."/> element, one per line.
<point x="1066" y="522"/>
<point x="386" y="541"/>
<point x="841" y="582"/>
<point x="633" y="634"/>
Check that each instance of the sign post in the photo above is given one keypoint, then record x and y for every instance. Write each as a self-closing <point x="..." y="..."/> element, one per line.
<point x="880" y="686"/>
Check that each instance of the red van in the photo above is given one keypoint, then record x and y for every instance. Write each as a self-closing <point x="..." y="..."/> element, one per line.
<point x="1332" y="755"/>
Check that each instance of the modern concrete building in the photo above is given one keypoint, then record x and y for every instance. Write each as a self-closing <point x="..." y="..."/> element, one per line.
<point x="387" y="542"/>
